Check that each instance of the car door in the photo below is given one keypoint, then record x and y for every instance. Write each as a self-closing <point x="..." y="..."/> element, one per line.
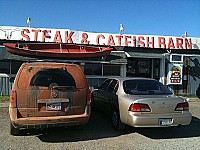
<point x="111" y="96"/>
<point x="100" y="94"/>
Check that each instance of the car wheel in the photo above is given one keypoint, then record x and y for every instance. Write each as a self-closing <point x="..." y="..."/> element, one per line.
<point x="116" y="122"/>
<point x="13" y="130"/>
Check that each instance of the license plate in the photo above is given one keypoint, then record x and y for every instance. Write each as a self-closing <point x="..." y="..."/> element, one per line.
<point x="53" y="106"/>
<point x="165" y="122"/>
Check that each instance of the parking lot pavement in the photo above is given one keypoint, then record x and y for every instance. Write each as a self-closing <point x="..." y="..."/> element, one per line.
<point x="3" y="105"/>
<point x="99" y="135"/>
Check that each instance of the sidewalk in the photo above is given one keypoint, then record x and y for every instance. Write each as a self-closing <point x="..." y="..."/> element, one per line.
<point x="3" y="105"/>
<point x="189" y="99"/>
<point x="193" y="99"/>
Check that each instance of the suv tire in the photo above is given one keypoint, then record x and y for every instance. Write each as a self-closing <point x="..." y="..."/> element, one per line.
<point x="13" y="130"/>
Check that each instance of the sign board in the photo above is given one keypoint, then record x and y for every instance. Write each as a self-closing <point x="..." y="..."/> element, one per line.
<point x="175" y="74"/>
<point x="93" y="38"/>
<point x="176" y="58"/>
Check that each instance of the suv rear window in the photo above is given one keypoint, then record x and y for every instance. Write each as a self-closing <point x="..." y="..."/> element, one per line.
<point x="56" y="76"/>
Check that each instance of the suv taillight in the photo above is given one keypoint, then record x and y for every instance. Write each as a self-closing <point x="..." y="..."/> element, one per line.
<point x="89" y="97"/>
<point x="182" y="106"/>
<point x="139" y="107"/>
<point x="13" y="98"/>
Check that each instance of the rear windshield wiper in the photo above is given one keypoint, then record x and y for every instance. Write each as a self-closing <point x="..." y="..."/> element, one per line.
<point x="142" y="91"/>
<point x="65" y="88"/>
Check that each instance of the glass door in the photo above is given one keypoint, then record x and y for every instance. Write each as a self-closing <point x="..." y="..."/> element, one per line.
<point x="139" y="67"/>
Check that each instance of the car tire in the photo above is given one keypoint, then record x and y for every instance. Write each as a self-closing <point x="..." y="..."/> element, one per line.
<point x="80" y="127"/>
<point x="116" y="122"/>
<point x="93" y="105"/>
<point x="198" y="92"/>
<point x="13" y="130"/>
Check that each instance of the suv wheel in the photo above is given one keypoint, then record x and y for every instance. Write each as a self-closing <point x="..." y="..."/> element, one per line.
<point x="116" y="122"/>
<point x="13" y="130"/>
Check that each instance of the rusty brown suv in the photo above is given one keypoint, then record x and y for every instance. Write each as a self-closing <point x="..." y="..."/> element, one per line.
<point x="49" y="94"/>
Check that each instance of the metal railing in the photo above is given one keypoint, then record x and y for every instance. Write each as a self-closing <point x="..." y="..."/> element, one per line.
<point x="5" y="86"/>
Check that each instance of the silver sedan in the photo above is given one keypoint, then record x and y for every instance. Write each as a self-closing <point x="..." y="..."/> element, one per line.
<point x="140" y="102"/>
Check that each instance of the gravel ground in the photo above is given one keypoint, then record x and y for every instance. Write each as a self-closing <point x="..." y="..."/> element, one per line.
<point x="98" y="134"/>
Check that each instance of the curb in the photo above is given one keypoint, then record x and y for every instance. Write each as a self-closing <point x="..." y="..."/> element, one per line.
<point x="193" y="99"/>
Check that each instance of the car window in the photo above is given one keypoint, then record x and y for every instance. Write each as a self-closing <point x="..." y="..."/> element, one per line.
<point x="52" y="76"/>
<point x="113" y="86"/>
<point x="105" y="84"/>
<point x="144" y="87"/>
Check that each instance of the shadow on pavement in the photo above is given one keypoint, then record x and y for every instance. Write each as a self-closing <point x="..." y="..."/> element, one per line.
<point x="192" y="130"/>
<point x="100" y="127"/>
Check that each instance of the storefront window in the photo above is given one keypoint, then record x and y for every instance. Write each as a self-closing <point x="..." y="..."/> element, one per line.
<point x="144" y="66"/>
<point x="111" y="70"/>
<point x="139" y="67"/>
<point x="132" y="68"/>
<point x="156" y="69"/>
<point x="93" y="69"/>
<point x="15" y="67"/>
<point x="96" y="69"/>
<point x="5" y="67"/>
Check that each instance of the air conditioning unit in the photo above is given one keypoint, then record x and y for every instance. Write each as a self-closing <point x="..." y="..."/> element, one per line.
<point x="176" y="58"/>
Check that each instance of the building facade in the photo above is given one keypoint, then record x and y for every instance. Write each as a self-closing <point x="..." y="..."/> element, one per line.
<point x="174" y="61"/>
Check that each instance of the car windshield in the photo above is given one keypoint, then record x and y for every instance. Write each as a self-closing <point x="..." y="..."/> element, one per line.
<point x="144" y="87"/>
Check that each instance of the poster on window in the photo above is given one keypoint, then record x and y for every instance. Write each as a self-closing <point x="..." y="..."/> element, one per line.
<point x="175" y="74"/>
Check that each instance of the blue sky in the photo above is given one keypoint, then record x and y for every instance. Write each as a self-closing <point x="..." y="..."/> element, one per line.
<point x="144" y="17"/>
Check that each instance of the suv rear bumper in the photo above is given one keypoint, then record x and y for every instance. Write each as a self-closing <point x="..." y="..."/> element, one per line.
<point x="54" y="121"/>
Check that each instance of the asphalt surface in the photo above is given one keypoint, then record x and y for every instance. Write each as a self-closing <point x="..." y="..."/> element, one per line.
<point x="99" y="135"/>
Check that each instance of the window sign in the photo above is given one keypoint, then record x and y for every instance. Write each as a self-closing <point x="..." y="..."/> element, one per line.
<point x="175" y="74"/>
